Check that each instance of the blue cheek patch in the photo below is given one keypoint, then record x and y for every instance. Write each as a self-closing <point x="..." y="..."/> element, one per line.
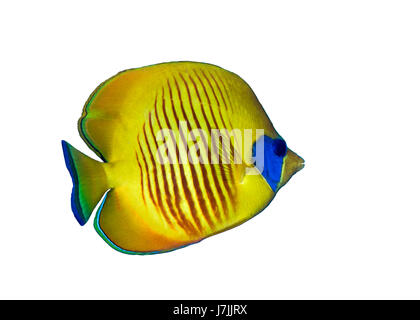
<point x="271" y="156"/>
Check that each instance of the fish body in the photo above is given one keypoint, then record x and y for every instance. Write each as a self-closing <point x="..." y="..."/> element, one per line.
<point x="179" y="144"/>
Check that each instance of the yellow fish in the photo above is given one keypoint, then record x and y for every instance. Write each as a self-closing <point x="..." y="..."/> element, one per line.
<point x="187" y="151"/>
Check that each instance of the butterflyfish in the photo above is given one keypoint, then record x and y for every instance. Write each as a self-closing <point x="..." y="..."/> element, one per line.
<point x="187" y="151"/>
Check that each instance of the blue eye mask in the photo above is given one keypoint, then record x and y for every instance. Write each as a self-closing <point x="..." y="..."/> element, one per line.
<point x="269" y="154"/>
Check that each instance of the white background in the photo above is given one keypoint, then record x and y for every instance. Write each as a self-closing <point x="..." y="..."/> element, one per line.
<point x="340" y="81"/>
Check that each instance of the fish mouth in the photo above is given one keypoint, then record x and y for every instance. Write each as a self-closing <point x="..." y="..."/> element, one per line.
<point x="300" y="165"/>
<point x="292" y="163"/>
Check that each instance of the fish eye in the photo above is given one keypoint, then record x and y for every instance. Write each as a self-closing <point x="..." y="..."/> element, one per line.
<point x="279" y="147"/>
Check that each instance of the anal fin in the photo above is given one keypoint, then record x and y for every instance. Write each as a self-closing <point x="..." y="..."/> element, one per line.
<point x="119" y="222"/>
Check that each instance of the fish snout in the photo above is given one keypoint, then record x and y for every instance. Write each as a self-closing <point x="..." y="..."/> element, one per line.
<point x="292" y="163"/>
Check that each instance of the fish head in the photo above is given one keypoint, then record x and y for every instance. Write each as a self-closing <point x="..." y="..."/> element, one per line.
<point x="275" y="161"/>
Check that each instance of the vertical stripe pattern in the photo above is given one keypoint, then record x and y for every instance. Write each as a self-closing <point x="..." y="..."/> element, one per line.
<point x="190" y="197"/>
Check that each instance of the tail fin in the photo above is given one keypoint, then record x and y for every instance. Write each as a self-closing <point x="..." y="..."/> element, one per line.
<point x="89" y="182"/>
